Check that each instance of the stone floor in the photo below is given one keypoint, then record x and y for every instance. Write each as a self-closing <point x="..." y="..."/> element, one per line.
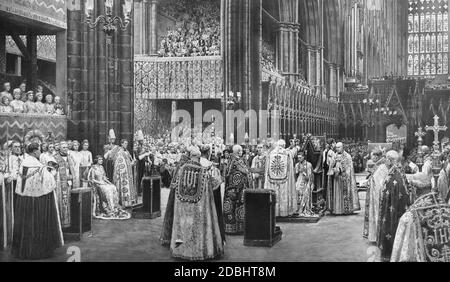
<point x="333" y="239"/>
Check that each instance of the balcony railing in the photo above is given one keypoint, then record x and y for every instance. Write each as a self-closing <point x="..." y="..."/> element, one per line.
<point x="178" y="77"/>
<point x="15" y="126"/>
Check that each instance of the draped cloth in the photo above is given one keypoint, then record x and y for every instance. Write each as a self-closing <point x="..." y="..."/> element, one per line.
<point x="344" y="198"/>
<point x="393" y="204"/>
<point x="279" y="176"/>
<point x="373" y="195"/>
<point x="196" y="232"/>
<point x="37" y="226"/>
<point x="422" y="234"/>
<point x="237" y="179"/>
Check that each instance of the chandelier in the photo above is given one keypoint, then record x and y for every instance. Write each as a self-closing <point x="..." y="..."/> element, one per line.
<point x="109" y="21"/>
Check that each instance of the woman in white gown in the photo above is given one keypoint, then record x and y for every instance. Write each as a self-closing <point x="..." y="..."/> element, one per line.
<point x="106" y="204"/>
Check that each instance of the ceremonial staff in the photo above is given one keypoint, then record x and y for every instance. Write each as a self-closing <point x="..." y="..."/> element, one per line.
<point x="420" y="134"/>
<point x="436" y="155"/>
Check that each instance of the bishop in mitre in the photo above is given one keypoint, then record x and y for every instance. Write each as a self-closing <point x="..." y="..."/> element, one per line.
<point x="279" y="176"/>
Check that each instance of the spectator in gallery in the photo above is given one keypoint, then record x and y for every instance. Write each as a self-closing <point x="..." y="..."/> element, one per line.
<point x="59" y="110"/>
<point x="5" y="107"/>
<point x="39" y="105"/>
<point x="29" y="105"/>
<point x="23" y="92"/>
<point x="49" y="105"/>
<point x="17" y="104"/>
<point x="7" y="91"/>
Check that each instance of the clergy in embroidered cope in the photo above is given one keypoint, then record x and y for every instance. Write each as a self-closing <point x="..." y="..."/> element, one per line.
<point x="196" y="231"/>
<point x="423" y="233"/>
<point x="279" y="176"/>
<point x="373" y="194"/>
<point x="394" y="202"/>
<point x="237" y="179"/>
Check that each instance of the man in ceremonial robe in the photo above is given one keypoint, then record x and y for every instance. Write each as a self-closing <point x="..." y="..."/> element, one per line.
<point x="64" y="183"/>
<point x="373" y="194"/>
<point x="111" y="150"/>
<point x="140" y="154"/>
<point x="196" y="231"/>
<point x="166" y="234"/>
<point x="6" y="201"/>
<point x="123" y="176"/>
<point x="259" y="167"/>
<point x="37" y="227"/>
<point x="393" y="204"/>
<point x="328" y="174"/>
<point x="423" y="233"/>
<point x="279" y="176"/>
<point x="237" y="179"/>
<point x="216" y="182"/>
<point x="344" y="200"/>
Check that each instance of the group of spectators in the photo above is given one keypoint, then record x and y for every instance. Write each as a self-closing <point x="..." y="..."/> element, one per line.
<point x="197" y="29"/>
<point x="21" y="101"/>
<point x="268" y="57"/>
<point x="359" y="152"/>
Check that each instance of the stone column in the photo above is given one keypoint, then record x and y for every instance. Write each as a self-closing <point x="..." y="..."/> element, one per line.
<point x="287" y="46"/>
<point x="32" y="61"/>
<point x="61" y="64"/>
<point x="140" y="16"/>
<point x="338" y="82"/>
<point x="332" y="82"/>
<point x="2" y="51"/>
<point x="18" y="66"/>
<point x="152" y="14"/>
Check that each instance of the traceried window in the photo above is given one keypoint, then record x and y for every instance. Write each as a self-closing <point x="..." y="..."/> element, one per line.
<point x="427" y="38"/>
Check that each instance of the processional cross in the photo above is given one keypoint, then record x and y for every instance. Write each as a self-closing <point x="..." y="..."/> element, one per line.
<point x="436" y="128"/>
<point x="420" y="134"/>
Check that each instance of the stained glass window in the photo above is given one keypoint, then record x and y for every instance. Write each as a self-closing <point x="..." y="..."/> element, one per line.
<point x="427" y="37"/>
